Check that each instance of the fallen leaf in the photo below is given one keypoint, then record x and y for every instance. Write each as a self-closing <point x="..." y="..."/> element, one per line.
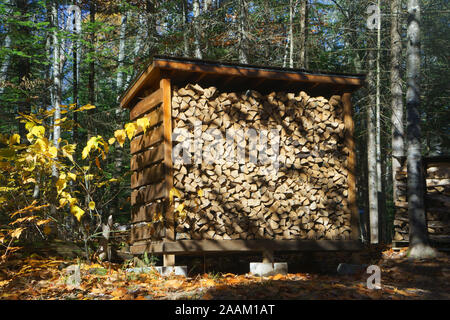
<point x="277" y="277"/>
<point x="119" y="292"/>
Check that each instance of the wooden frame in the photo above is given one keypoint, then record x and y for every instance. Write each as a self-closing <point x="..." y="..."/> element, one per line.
<point x="151" y="163"/>
<point x="199" y="246"/>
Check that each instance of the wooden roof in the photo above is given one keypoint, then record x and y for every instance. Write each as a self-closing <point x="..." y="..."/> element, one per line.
<point x="238" y="77"/>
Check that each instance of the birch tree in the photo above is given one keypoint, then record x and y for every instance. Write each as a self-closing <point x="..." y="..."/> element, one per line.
<point x="303" y="34"/>
<point x="243" y="48"/>
<point x="371" y="153"/>
<point x="196" y="11"/>
<point x="56" y="81"/>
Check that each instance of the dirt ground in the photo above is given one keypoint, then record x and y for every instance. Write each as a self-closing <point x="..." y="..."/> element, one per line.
<point x="313" y="277"/>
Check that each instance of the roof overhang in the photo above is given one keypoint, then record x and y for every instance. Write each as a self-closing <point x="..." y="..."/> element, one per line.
<point x="235" y="76"/>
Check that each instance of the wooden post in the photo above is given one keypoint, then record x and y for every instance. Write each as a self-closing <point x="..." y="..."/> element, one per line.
<point x="350" y="144"/>
<point x="169" y="260"/>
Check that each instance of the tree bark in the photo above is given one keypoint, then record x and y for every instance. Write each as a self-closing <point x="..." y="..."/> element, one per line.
<point x="371" y="155"/>
<point x="291" y="34"/>
<point x="122" y="38"/>
<point x="185" y="29"/>
<point x="397" y="130"/>
<point x="91" y="80"/>
<point x="243" y="48"/>
<point x="22" y="64"/>
<point x="56" y="83"/>
<point x="418" y="236"/>
<point x="197" y="49"/>
<point x="302" y="55"/>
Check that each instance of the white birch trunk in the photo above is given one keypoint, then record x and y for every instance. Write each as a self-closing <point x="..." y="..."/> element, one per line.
<point x="123" y="27"/>
<point x="371" y="155"/>
<point x="56" y="83"/>
<point x="196" y="11"/>
<point x="291" y="34"/>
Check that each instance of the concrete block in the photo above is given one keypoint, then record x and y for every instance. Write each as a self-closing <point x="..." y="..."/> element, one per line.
<point x="263" y="269"/>
<point x="164" y="271"/>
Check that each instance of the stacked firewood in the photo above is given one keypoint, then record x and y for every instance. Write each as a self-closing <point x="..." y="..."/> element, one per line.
<point x="301" y="195"/>
<point x="437" y="203"/>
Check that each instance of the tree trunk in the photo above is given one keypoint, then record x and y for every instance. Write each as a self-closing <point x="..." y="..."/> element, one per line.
<point x="398" y="149"/>
<point x="22" y="64"/>
<point x="197" y="49"/>
<point x="91" y="81"/>
<point x="56" y="83"/>
<point x="371" y="154"/>
<point x="302" y="58"/>
<point x="380" y="184"/>
<point x="418" y="236"/>
<point x="123" y="27"/>
<point x="291" y="34"/>
<point x="185" y="29"/>
<point x="243" y="48"/>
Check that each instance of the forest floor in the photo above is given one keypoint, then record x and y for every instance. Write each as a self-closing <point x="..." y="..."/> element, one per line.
<point x="36" y="277"/>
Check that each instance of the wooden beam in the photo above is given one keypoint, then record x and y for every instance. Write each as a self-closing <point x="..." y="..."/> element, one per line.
<point x="200" y="246"/>
<point x="146" y="158"/>
<point x="167" y="125"/>
<point x="351" y="164"/>
<point x="155" y="117"/>
<point x="149" y="75"/>
<point x="146" y="140"/>
<point x="148" y="194"/>
<point x="146" y="104"/>
<point x="258" y="73"/>
<point x="146" y="213"/>
<point x="147" y="176"/>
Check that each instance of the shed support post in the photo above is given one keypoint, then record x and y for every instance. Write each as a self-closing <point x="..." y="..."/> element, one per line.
<point x="169" y="260"/>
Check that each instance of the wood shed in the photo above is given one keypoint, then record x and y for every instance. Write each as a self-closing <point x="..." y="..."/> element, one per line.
<point x="309" y="203"/>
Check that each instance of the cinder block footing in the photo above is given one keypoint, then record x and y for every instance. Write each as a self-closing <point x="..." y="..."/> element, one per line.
<point x="262" y="269"/>
<point x="164" y="271"/>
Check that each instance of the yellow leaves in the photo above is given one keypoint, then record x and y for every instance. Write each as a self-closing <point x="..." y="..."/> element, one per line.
<point x="144" y="123"/>
<point x="17" y="232"/>
<point x="38" y="131"/>
<point x="174" y="192"/>
<point x="130" y="129"/>
<point x="181" y="213"/>
<point x="42" y="222"/>
<point x="111" y="141"/>
<point x="72" y="176"/>
<point x="77" y="212"/>
<point x="61" y="184"/>
<point x="68" y="151"/>
<point x="14" y="139"/>
<point x="200" y="193"/>
<point x="92" y="205"/>
<point x="86" y="107"/>
<point x="92" y="143"/>
<point x="53" y="151"/>
<point x="120" y="136"/>
<point x="95" y="143"/>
